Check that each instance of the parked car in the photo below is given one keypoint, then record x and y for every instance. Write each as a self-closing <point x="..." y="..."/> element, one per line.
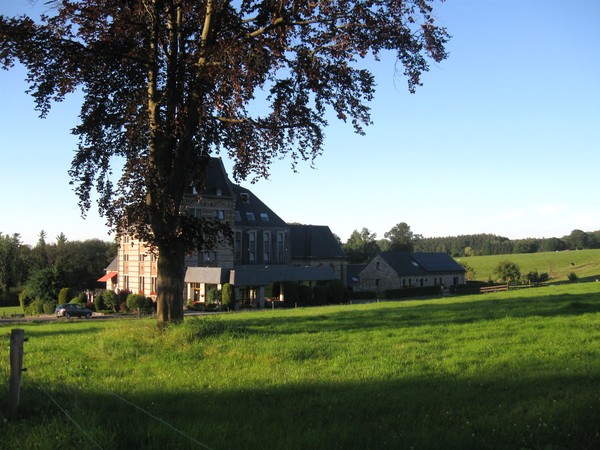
<point x="72" y="310"/>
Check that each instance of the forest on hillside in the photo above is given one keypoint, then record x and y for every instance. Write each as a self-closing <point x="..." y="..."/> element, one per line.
<point x="363" y="245"/>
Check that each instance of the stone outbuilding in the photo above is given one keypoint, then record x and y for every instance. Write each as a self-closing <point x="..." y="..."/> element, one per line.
<point x="397" y="270"/>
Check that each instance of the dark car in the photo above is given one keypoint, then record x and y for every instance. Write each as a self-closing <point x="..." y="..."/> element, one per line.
<point x="72" y="310"/>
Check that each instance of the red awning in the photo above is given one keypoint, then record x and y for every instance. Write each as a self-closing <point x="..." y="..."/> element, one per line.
<point x="108" y="276"/>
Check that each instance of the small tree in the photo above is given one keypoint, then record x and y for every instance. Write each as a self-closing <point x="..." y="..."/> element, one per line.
<point x="228" y="296"/>
<point x="507" y="270"/>
<point x="573" y="276"/>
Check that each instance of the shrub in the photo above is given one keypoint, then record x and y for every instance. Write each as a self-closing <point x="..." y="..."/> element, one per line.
<point x="123" y="307"/>
<point x="228" y="296"/>
<point x="25" y="299"/>
<point x="213" y="296"/>
<point x="304" y="294"/>
<point x="136" y="302"/>
<point x="49" y="307"/>
<point x="65" y="295"/>
<point x="573" y="276"/>
<point x="319" y="295"/>
<point x="361" y="295"/>
<point x="111" y="300"/>
<point x="336" y="292"/>
<point x="36" y="307"/>
<point x="122" y="296"/>
<point x="99" y="302"/>
<point x="290" y="293"/>
<point x="149" y="305"/>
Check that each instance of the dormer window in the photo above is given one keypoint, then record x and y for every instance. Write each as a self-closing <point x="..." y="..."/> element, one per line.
<point x="245" y="197"/>
<point x="250" y="217"/>
<point x="219" y="191"/>
<point x="264" y="216"/>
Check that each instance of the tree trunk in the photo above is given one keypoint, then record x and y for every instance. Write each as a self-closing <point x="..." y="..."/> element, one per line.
<point x="170" y="284"/>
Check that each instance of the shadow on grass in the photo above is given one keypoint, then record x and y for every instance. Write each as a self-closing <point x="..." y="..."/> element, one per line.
<point x="404" y="314"/>
<point x="550" y="412"/>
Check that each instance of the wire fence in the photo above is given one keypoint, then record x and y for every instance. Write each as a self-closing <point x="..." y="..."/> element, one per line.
<point x="139" y="408"/>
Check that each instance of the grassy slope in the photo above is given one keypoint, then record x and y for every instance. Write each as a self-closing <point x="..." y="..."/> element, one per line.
<point x="558" y="265"/>
<point x="518" y="369"/>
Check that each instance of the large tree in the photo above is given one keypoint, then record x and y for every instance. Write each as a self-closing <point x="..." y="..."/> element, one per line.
<point x="166" y="83"/>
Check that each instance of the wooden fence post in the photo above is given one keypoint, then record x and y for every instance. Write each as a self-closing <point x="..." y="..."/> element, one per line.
<point x="17" y="337"/>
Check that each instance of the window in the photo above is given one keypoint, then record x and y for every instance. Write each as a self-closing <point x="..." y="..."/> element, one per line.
<point x="153" y="285"/>
<point x="219" y="191"/>
<point x="126" y="282"/>
<point x="377" y="282"/>
<point x="250" y="217"/>
<point x="237" y="217"/>
<point x="280" y="247"/>
<point x="142" y="282"/>
<point x="237" y="246"/>
<point x="208" y="255"/>
<point x="267" y="246"/>
<point x="377" y="264"/>
<point x="264" y="216"/>
<point x="252" y="246"/>
<point x="219" y="214"/>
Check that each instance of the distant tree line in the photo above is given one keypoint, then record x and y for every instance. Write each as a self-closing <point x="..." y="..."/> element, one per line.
<point x="48" y="268"/>
<point x="363" y="245"/>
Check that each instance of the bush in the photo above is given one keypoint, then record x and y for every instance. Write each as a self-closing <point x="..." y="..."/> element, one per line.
<point x="136" y="302"/>
<point x="336" y="292"/>
<point x="361" y="295"/>
<point x="25" y="299"/>
<point x="573" y="276"/>
<point x="123" y="307"/>
<point x="65" y="295"/>
<point x="49" y="307"/>
<point x="304" y="294"/>
<point x="228" y="296"/>
<point x="319" y="295"/>
<point x="111" y="300"/>
<point x="99" y="303"/>
<point x="290" y="293"/>
<point x="213" y="296"/>
<point x="35" y="308"/>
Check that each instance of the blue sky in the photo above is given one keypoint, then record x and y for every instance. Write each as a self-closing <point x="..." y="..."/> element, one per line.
<point x="502" y="138"/>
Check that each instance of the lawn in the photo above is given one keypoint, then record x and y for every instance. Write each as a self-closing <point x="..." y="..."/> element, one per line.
<point x="519" y="369"/>
<point x="558" y="265"/>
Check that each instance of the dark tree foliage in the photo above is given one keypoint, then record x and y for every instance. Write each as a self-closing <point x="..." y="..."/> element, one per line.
<point x="167" y="83"/>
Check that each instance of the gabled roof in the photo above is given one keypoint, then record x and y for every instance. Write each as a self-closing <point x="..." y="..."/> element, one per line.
<point x="216" y="181"/>
<point x="353" y="273"/>
<point x="314" y="242"/>
<point x="253" y="212"/>
<point x="415" y="264"/>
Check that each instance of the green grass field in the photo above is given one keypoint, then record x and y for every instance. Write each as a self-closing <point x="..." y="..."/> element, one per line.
<point x="519" y="369"/>
<point x="558" y="265"/>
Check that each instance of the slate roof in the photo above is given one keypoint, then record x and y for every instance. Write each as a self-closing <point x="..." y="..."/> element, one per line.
<point x="250" y="206"/>
<point x="314" y="242"/>
<point x="415" y="264"/>
<point x="216" y="181"/>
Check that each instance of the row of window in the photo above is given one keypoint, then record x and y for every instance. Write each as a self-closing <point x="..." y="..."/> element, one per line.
<point x="141" y="286"/>
<point x="272" y="252"/>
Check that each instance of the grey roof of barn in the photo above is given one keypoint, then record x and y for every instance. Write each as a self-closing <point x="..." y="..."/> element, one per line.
<point x="407" y="264"/>
<point x="314" y="242"/>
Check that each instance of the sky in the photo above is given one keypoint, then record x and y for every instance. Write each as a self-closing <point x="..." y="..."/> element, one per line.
<point x="502" y="138"/>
